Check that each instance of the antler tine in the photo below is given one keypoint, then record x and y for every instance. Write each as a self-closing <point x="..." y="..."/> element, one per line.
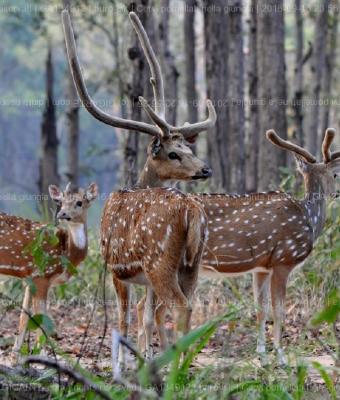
<point x="161" y="123"/>
<point x="326" y="144"/>
<point x="82" y="90"/>
<point x="158" y="116"/>
<point x="190" y="130"/>
<point x="335" y="155"/>
<point x="285" y="144"/>
<point x="156" y="72"/>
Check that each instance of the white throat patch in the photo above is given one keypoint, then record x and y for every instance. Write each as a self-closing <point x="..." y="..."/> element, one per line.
<point x="78" y="235"/>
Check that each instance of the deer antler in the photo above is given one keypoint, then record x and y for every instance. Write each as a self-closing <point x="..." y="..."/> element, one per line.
<point x="83" y="93"/>
<point x="156" y="72"/>
<point x="285" y="144"/>
<point x="335" y="155"/>
<point x="326" y="144"/>
<point x="158" y="115"/>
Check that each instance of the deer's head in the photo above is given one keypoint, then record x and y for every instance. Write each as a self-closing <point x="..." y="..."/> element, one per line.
<point x="73" y="203"/>
<point x="169" y="153"/>
<point x="173" y="158"/>
<point x="325" y="173"/>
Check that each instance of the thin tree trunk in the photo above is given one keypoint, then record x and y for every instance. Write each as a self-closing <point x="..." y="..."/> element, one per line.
<point x="190" y="61"/>
<point x="72" y="122"/>
<point x="236" y="128"/>
<point x="168" y="63"/>
<point x="272" y="89"/>
<point x="136" y="89"/>
<point x="317" y="70"/>
<point x="216" y="62"/>
<point x="49" y="141"/>
<point x="298" y="75"/>
<point x="254" y="124"/>
<point x="118" y="66"/>
<point x="328" y="75"/>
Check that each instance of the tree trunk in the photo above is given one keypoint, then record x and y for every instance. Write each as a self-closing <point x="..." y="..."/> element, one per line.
<point x="236" y="128"/>
<point x="298" y="75"/>
<point x="317" y="70"/>
<point x="254" y="124"/>
<point x="139" y="86"/>
<point x="190" y="61"/>
<point x="216" y="62"/>
<point x="328" y="75"/>
<point x="72" y="122"/>
<point x="168" y="65"/>
<point x="272" y="89"/>
<point x="49" y="141"/>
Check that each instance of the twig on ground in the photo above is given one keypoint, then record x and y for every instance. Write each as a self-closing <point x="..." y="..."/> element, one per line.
<point x="64" y="369"/>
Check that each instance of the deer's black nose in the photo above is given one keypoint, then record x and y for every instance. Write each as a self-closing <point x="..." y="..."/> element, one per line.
<point x="206" y="172"/>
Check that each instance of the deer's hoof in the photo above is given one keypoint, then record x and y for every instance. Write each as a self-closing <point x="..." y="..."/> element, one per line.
<point x="281" y="358"/>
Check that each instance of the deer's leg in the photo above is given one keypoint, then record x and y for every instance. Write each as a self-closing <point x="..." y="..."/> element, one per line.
<point x="123" y="300"/>
<point x="160" y="319"/>
<point x="39" y="300"/>
<point x="19" y="340"/>
<point x="261" y="296"/>
<point x="141" y="333"/>
<point x="148" y="320"/>
<point x="278" y="293"/>
<point x="167" y="289"/>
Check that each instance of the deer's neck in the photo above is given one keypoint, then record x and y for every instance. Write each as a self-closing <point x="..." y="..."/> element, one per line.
<point x="148" y="177"/>
<point x="315" y="204"/>
<point x="77" y="242"/>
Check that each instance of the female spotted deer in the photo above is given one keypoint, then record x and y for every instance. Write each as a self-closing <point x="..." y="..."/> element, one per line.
<point x="169" y="154"/>
<point x="16" y="234"/>
<point x="268" y="234"/>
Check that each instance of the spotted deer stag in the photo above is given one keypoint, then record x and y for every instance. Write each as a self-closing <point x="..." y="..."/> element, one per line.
<point x="169" y="154"/>
<point x="268" y="234"/>
<point x="16" y="235"/>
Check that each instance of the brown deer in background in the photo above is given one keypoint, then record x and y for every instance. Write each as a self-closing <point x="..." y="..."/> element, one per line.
<point x="169" y="154"/>
<point x="268" y="234"/>
<point x="16" y="234"/>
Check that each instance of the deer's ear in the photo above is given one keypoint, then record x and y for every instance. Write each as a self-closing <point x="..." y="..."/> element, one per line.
<point x="334" y="165"/>
<point x="192" y="139"/>
<point x="55" y="193"/>
<point x="301" y="163"/>
<point x="156" y="147"/>
<point x="91" y="192"/>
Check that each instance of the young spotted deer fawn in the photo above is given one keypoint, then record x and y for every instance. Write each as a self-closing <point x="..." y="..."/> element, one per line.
<point x="16" y="235"/>
<point x="169" y="155"/>
<point x="268" y="234"/>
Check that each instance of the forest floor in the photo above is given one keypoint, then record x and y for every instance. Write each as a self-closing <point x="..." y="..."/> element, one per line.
<point x="231" y="350"/>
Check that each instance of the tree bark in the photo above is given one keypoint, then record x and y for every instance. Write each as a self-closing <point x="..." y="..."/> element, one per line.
<point x="190" y="61"/>
<point x="49" y="141"/>
<point x="317" y="70"/>
<point x="329" y="70"/>
<point x="254" y="124"/>
<point x="171" y="73"/>
<point x="236" y="128"/>
<point x="72" y="122"/>
<point x="272" y="89"/>
<point x="298" y="75"/>
<point x="216" y="63"/>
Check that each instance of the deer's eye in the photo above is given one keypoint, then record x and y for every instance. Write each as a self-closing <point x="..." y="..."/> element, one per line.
<point x="79" y="203"/>
<point x="174" y="156"/>
<point x="335" y="176"/>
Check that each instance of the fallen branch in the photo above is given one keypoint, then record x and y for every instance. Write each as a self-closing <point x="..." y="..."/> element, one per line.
<point x="64" y="369"/>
